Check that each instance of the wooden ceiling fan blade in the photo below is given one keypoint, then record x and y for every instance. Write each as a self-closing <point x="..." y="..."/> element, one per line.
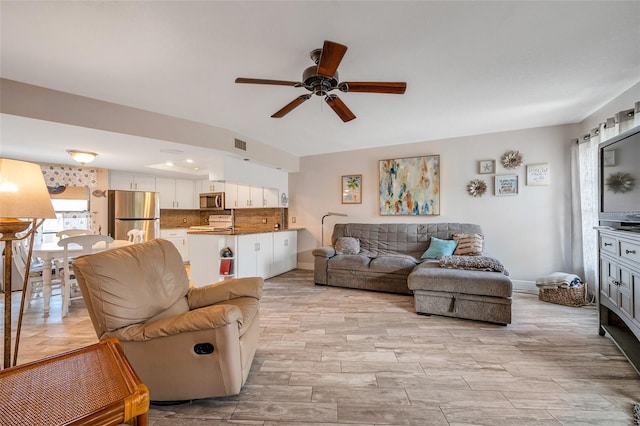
<point x="340" y="108"/>
<point x="330" y="58"/>
<point x="290" y="106"/>
<point x="264" y="81"/>
<point x="395" y="88"/>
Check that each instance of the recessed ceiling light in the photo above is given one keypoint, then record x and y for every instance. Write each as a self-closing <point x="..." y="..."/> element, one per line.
<point x="189" y="160"/>
<point x="169" y="163"/>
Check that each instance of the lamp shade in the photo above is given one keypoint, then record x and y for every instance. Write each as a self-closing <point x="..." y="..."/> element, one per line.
<point x="23" y="192"/>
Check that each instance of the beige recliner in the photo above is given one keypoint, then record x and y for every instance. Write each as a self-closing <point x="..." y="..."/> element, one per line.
<point x="183" y="343"/>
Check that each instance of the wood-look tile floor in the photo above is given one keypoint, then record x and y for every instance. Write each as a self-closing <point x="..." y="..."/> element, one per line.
<point x="331" y="356"/>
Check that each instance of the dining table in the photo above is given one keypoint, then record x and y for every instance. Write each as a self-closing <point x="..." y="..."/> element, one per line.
<point x="48" y="252"/>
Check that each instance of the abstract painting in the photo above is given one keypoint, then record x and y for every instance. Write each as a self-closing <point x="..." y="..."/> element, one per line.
<point x="410" y="186"/>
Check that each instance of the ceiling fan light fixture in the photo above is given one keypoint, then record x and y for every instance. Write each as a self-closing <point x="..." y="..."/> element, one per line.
<point x="323" y="78"/>
<point x="82" y="157"/>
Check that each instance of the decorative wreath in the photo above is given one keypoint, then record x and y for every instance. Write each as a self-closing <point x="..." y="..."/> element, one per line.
<point x="620" y="182"/>
<point x="477" y="187"/>
<point x="512" y="159"/>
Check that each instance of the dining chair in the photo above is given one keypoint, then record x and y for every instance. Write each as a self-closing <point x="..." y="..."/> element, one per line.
<point x="35" y="280"/>
<point x="136" y="236"/>
<point x="72" y="232"/>
<point x="89" y="243"/>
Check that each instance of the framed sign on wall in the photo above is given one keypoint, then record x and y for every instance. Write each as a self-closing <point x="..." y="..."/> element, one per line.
<point x="538" y="174"/>
<point x="506" y="185"/>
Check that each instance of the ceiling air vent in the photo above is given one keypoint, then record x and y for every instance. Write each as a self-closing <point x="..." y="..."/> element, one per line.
<point x="241" y="144"/>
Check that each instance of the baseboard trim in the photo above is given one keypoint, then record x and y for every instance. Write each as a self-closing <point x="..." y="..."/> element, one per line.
<point x="304" y="265"/>
<point x="523" y="286"/>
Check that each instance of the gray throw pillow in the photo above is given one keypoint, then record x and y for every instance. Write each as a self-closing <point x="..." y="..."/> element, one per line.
<point x="347" y="245"/>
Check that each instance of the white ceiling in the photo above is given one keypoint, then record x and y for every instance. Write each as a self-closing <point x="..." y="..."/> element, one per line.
<point x="470" y="67"/>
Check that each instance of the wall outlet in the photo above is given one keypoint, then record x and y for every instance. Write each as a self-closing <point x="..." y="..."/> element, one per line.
<point x="293" y="219"/>
<point x="264" y="220"/>
<point x="184" y="220"/>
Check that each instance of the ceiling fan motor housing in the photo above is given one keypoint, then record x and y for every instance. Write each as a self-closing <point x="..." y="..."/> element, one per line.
<point x="318" y="84"/>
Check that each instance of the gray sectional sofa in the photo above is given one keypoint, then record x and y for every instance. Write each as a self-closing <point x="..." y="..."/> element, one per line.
<point x="387" y="258"/>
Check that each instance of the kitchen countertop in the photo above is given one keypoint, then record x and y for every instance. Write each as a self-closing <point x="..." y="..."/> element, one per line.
<point x="202" y="232"/>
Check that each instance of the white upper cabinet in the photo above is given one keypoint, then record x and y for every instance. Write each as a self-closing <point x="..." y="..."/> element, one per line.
<point x="176" y="193"/>
<point x="206" y="186"/>
<point x="256" y="197"/>
<point x="241" y="172"/>
<point x="230" y="196"/>
<point x="131" y="182"/>
<point x="248" y="197"/>
<point x="271" y="197"/>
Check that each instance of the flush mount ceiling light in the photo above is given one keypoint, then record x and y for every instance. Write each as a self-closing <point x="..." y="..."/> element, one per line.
<point x="82" y="157"/>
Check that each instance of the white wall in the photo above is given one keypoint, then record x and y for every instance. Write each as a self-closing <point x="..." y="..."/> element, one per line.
<point x="623" y="102"/>
<point x="529" y="232"/>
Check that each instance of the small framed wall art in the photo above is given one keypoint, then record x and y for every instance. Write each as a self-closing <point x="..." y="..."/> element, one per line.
<point x="538" y="174"/>
<point x="506" y="185"/>
<point x="352" y="189"/>
<point x="486" y="167"/>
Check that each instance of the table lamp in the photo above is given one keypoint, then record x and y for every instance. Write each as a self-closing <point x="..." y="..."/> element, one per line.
<point x="23" y="198"/>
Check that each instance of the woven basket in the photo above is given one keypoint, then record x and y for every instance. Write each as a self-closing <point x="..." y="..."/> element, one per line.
<point x="570" y="296"/>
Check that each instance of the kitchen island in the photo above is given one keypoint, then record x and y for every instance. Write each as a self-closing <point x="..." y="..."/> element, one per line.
<point x="260" y="253"/>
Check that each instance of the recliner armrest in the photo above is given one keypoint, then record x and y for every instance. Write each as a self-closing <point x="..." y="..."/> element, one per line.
<point x="225" y="290"/>
<point x="208" y="317"/>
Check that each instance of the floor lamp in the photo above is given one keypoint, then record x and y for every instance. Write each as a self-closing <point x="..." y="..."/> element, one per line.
<point x="23" y="198"/>
<point x="322" y="221"/>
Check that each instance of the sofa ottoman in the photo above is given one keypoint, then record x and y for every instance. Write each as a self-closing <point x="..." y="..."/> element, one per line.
<point x="461" y="293"/>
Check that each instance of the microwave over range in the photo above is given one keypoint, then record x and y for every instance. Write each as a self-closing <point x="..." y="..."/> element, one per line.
<point x="212" y="201"/>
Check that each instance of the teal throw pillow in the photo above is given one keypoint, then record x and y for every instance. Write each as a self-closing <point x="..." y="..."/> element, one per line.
<point x="438" y="248"/>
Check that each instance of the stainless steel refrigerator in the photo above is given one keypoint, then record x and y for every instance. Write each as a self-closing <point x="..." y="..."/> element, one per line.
<point x="133" y="210"/>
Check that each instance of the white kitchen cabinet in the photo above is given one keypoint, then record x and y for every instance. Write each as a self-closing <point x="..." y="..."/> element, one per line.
<point x="244" y="196"/>
<point x="254" y="254"/>
<point x="256" y="197"/>
<point x="230" y="196"/>
<point x="205" y="257"/>
<point x="285" y="252"/>
<point x="250" y="197"/>
<point x="178" y="238"/>
<point x="238" y="196"/>
<point x="176" y="193"/>
<point x="131" y="182"/>
<point x="271" y="197"/>
<point x="206" y="186"/>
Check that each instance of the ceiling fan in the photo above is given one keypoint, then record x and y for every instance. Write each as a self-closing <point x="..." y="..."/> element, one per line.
<point x="322" y="78"/>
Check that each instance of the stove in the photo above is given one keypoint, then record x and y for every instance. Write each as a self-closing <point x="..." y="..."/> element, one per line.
<point x="217" y="223"/>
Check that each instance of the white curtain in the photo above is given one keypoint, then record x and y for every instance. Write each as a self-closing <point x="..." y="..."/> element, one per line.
<point x="584" y="180"/>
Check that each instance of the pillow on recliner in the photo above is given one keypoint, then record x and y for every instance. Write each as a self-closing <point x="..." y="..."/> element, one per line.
<point x="438" y="248"/>
<point x="347" y="245"/>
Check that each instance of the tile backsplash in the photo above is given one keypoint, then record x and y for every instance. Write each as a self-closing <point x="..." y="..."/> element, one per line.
<point x="245" y="220"/>
<point x="170" y="218"/>
<point x="250" y="220"/>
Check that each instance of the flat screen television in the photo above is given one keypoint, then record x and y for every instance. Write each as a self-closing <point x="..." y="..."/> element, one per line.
<point x="619" y="179"/>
